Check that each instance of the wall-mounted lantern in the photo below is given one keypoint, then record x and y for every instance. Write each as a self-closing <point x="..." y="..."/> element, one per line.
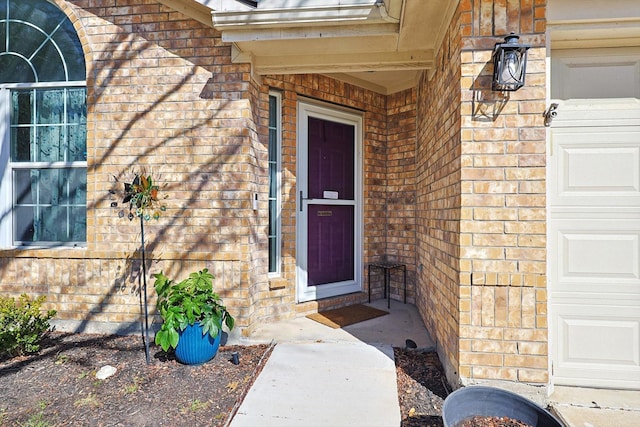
<point x="509" y="64"/>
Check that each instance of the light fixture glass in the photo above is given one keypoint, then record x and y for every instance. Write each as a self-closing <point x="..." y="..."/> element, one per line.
<point x="509" y="64"/>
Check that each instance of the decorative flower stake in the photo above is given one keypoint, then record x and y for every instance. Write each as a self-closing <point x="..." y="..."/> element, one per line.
<point x="143" y="196"/>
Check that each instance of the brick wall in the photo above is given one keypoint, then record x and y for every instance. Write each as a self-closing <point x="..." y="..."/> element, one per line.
<point x="401" y="188"/>
<point x="503" y="332"/>
<point x="163" y="97"/>
<point x="439" y="199"/>
<point x="481" y="200"/>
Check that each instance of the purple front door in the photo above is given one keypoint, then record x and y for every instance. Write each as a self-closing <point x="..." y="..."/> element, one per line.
<point x="331" y="209"/>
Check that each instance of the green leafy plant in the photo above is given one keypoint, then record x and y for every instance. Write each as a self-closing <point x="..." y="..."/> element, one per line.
<point x="195" y="406"/>
<point x="187" y="302"/>
<point x="22" y="325"/>
<point x="133" y="387"/>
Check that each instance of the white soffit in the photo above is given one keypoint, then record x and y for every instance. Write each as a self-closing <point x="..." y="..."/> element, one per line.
<point x="600" y="23"/>
<point x="382" y="45"/>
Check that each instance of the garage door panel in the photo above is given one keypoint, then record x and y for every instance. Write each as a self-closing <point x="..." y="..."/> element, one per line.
<point x="596" y="168"/>
<point x="596" y="256"/>
<point x="609" y="256"/>
<point x="601" y="171"/>
<point x="601" y="343"/>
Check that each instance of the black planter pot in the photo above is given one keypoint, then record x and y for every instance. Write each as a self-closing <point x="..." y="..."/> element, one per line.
<point x="493" y="402"/>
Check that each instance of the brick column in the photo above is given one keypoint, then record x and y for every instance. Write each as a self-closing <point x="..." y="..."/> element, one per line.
<point x="502" y="299"/>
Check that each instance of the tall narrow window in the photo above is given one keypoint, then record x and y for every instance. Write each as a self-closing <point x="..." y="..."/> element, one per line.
<point x="43" y="120"/>
<point x="275" y="138"/>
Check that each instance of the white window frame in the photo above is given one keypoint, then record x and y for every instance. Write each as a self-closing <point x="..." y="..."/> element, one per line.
<point x="7" y="168"/>
<point x="278" y="197"/>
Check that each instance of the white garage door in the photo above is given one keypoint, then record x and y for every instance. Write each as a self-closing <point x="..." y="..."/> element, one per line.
<point x="594" y="221"/>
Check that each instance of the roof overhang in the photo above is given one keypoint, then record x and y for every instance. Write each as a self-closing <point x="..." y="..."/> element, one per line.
<point x="602" y="24"/>
<point x="382" y="45"/>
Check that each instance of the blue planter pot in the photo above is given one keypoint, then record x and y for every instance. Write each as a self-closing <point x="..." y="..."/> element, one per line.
<point x="493" y="402"/>
<point x="194" y="348"/>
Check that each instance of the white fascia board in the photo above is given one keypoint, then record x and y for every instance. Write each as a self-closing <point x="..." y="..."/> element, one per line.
<point x="594" y="34"/>
<point x="563" y="11"/>
<point x="238" y="6"/>
<point x="309" y="32"/>
<point x="367" y="12"/>
<point x="374" y="61"/>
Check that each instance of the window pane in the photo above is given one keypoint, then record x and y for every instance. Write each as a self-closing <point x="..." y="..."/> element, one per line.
<point x="22" y="110"/>
<point x="78" y="225"/>
<point x="15" y="70"/>
<point x="76" y="187"/>
<point x="77" y="105"/>
<point x="273" y="260"/>
<point x="273" y="217"/>
<point x="21" y="144"/>
<point x="45" y="37"/>
<point x="50" y="205"/>
<point x="273" y="144"/>
<point x="273" y="114"/>
<point x="24" y="223"/>
<point x="77" y="150"/>
<point x="22" y="188"/>
<point x="3" y="31"/>
<point x="50" y="106"/>
<point x="41" y="13"/>
<point x="24" y="39"/>
<point x="52" y="224"/>
<point x="49" y="65"/>
<point x="77" y="129"/>
<point x="273" y="237"/>
<point x="51" y="144"/>
<point x="273" y="181"/>
<point x="48" y="188"/>
<point x="69" y="43"/>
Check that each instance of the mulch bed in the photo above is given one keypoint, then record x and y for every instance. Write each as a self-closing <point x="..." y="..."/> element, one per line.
<point x="479" y="421"/>
<point x="58" y="386"/>
<point x="422" y="387"/>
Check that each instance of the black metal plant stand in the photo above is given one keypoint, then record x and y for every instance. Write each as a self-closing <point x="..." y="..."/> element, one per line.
<point x="144" y="290"/>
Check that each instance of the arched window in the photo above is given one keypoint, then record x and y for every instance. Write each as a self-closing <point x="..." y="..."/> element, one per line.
<point x="43" y="116"/>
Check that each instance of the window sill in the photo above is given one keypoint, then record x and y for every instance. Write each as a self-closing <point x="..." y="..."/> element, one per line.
<point x="276" y="283"/>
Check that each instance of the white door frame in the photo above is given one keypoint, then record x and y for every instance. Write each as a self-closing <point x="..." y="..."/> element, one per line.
<point x="306" y="109"/>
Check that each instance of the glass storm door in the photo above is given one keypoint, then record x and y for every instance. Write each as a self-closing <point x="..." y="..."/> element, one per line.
<point x="328" y="211"/>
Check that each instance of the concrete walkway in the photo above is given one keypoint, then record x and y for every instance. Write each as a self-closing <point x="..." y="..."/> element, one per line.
<point x="323" y="384"/>
<point x="319" y="376"/>
<point x="587" y="407"/>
